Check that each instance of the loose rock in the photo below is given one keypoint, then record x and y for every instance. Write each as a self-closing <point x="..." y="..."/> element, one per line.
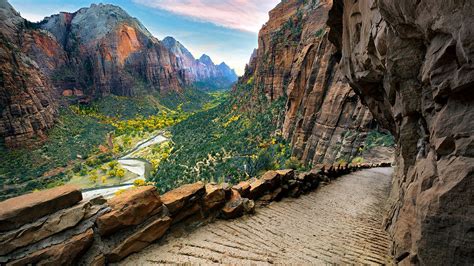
<point x="130" y="208"/>
<point x="185" y="195"/>
<point x="140" y="239"/>
<point x="25" y="209"/>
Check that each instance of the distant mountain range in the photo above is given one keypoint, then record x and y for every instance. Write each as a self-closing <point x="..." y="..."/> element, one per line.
<point x="201" y="70"/>
<point x="92" y="52"/>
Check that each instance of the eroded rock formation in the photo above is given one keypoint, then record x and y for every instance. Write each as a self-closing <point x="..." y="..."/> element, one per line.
<point x="27" y="106"/>
<point x="201" y="70"/>
<point x="412" y="64"/>
<point x="90" y="53"/>
<point x="107" y="51"/>
<point x="324" y="119"/>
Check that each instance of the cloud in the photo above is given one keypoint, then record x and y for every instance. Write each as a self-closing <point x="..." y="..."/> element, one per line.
<point x="246" y="15"/>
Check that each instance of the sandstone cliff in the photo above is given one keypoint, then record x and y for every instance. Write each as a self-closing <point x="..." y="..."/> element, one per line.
<point x="324" y="119"/>
<point x="412" y="64"/>
<point x="201" y="70"/>
<point x="106" y="51"/>
<point x="94" y="51"/>
<point x="27" y="106"/>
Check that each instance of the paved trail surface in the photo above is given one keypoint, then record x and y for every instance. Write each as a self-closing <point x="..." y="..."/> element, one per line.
<point x="338" y="223"/>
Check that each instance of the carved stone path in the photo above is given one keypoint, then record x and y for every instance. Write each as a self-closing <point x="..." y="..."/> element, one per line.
<point x="339" y="223"/>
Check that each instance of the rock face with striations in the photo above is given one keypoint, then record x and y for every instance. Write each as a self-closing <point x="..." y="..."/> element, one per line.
<point x="94" y="51"/>
<point x="324" y="119"/>
<point x="27" y="106"/>
<point x="413" y="66"/>
<point x="108" y="51"/>
<point x="202" y="69"/>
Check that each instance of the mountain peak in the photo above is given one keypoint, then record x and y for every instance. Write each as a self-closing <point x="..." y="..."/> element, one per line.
<point x="205" y="59"/>
<point x="176" y="47"/>
<point x="170" y="40"/>
<point x="94" y="21"/>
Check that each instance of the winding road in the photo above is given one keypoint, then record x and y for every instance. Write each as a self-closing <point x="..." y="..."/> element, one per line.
<point x="340" y="223"/>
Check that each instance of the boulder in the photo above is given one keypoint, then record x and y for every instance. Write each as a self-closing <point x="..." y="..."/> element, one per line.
<point x="140" y="239"/>
<point x="60" y="254"/>
<point x="130" y="208"/>
<point x="258" y="187"/>
<point x="312" y="178"/>
<point x="275" y="195"/>
<point x="187" y="211"/>
<point x="243" y="188"/>
<point x="25" y="209"/>
<point x="272" y="179"/>
<point x="184" y="195"/>
<point x="249" y="206"/>
<point x="227" y="190"/>
<point x="46" y="227"/>
<point x="286" y="175"/>
<point x="214" y="197"/>
<point x="234" y="207"/>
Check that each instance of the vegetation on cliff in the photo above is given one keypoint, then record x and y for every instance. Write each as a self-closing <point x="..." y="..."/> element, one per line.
<point x="226" y="144"/>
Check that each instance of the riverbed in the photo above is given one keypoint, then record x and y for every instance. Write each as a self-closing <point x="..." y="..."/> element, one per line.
<point x="138" y="166"/>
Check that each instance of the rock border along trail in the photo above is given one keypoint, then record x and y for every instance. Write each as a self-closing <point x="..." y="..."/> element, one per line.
<point x="338" y="223"/>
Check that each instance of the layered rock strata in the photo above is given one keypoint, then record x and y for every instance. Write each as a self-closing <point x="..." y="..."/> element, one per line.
<point x="98" y="232"/>
<point x="412" y="64"/>
<point x="27" y="105"/>
<point x="107" y="51"/>
<point x="95" y="51"/>
<point x="324" y="119"/>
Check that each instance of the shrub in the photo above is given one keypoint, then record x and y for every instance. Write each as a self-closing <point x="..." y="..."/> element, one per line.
<point x="341" y="161"/>
<point x="139" y="183"/>
<point x="293" y="163"/>
<point x="112" y="164"/>
<point x="357" y="160"/>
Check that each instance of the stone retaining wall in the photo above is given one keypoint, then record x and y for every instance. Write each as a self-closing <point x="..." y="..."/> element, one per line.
<point x="57" y="227"/>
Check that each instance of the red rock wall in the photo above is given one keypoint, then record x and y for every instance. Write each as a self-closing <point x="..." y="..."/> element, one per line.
<point x="324" y="119"/>
<point x="27" y="105"/>
<point x="412" y="63"/>
<point x="125" y="59"/>
<point x="97" y="50"/>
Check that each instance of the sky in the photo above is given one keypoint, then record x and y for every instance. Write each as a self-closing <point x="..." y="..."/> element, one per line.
<point x="226" y="30"/>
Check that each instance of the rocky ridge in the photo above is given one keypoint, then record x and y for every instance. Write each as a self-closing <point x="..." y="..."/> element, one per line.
<point x="202" y="69"/>
<point x="107" y="51"/>
<point x="412" y="64"/>
<point x="89" y="53"/>
<point x="324" y="119"/>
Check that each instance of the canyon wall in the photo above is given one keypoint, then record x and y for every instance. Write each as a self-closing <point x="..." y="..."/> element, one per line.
<point x="92" y="52"/>
<point x="107" y="51"/>
<point x="412" y="64"/>
<point x="27" y="106"/>
<point x="324" y="119"/>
